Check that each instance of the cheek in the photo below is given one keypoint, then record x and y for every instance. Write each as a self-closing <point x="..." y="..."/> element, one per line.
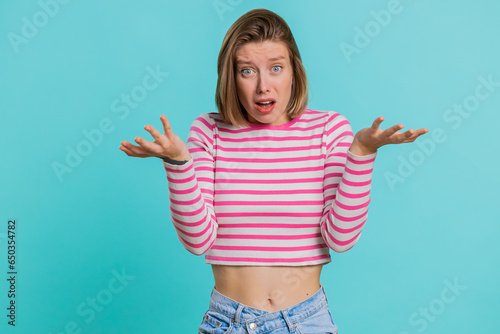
<point x="243" y="92"/>
<point x="239" y="91"/>
<point x="286" y="87"/>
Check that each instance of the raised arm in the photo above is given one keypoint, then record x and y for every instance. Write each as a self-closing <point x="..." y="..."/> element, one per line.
<point x="346" y="187"/>
<point x="191" y="190"/>
<point x="348" y="175"/>
<point x="190" y="183"/>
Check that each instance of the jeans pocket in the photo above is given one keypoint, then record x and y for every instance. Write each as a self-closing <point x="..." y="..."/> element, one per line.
<point x="215" y="323"/>
<point x="319" y="322"/>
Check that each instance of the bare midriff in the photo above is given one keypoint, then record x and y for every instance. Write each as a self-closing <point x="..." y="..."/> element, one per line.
<point x="267" y="288"/>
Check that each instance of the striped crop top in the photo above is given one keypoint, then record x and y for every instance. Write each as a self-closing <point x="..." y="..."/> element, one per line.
<point x="267" y="195"/>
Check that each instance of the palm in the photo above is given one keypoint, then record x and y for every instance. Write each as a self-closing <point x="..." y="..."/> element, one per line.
<point x="167" y="145"/>
<point x="374" y="137"/>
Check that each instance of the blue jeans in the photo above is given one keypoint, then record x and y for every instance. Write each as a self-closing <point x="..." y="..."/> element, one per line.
<point x="227" y="316"/>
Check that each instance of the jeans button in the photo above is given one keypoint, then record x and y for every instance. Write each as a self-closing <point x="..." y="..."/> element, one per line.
<point x="253" y="326"/>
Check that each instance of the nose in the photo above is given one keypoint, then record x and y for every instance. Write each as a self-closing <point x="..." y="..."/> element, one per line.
<point x="262" y="84"/>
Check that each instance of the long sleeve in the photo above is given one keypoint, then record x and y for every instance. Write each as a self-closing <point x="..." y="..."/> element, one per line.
<point x="346" y="187"/>
<point x="191" y="190"/>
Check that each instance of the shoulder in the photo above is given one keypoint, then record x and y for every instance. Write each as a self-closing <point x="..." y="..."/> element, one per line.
<point x="335" y="125"/>
<point x="206" y="117"/>
<point x="330" y="118"/>
<point x="214" y="119"/>
<point x="206" y="121"/>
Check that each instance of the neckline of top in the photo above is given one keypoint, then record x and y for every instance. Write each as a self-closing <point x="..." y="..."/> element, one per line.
<point x="277" y="127"/>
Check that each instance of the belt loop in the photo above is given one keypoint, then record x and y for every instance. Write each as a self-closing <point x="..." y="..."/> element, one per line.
<point x="237" y="315"/>
<point x="291" y="326"/>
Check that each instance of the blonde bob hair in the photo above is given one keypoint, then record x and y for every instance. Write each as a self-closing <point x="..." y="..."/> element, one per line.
<point x="257" y="25"/>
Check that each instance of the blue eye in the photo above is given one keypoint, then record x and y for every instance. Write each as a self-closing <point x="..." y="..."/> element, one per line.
<point x="246" y="69"/>
<point x="277" y="66"/>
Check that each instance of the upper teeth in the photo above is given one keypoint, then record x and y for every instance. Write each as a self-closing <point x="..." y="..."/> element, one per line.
<point x="266" y="102"/>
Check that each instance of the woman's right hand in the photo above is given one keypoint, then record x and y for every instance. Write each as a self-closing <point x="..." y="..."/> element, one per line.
<point x="167" y="145"/>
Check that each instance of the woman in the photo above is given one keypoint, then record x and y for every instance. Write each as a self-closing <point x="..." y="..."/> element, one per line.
<point x="266" y="187"/>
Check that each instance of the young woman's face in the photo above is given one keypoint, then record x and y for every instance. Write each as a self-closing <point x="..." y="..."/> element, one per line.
<point x="264" y="78"/>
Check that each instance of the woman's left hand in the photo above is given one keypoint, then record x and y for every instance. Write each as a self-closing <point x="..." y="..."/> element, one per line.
<point x="368" y="140"/>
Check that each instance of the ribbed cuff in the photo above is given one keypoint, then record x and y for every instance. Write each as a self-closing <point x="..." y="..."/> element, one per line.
<point x="174" y="162"/>
<point x="362" y="157"/>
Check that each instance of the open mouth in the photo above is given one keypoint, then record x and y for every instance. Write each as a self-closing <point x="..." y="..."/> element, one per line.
<point x="265" y="106"/>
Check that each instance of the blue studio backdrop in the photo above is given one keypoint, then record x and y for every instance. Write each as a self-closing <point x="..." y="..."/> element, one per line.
<point x="86" y="240"/>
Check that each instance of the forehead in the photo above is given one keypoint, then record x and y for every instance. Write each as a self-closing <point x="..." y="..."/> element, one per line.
<point x="266" y="50"/>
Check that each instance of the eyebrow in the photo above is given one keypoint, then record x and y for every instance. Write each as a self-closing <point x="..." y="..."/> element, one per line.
<point x="240" y="62"/>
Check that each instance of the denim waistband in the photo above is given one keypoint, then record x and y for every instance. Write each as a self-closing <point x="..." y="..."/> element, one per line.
<point x="241" y="313"/>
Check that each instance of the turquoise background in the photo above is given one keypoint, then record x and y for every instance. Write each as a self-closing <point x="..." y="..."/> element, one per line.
<point x="434" y="226"/>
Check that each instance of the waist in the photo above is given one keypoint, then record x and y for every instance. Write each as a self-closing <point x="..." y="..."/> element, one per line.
<point x="267" y="288"/>
<point x="240" y="313"/>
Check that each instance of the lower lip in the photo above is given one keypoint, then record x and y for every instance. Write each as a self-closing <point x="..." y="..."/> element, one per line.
<point x="265" y="109"/>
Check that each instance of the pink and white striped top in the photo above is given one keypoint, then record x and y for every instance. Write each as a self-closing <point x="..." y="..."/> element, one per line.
<point x="270" y="195"/>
